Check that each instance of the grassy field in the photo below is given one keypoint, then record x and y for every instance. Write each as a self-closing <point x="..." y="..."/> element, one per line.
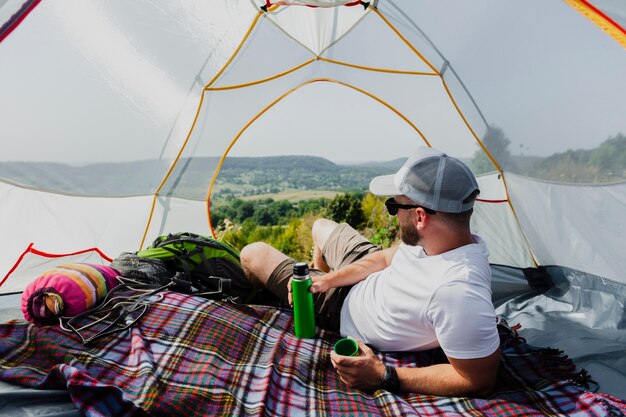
<point x="294" y="195"/>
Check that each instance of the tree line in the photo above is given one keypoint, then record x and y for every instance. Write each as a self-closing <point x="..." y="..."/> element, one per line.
<point x="287" y="226"/>
<point x="605" y="163"/>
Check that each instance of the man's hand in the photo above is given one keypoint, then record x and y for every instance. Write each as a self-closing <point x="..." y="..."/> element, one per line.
<point x="289" y="295"/>
<point x="364" y="372"/>
<point x="460" y="377"/>
<point x="320" y="283"/>
<point x="349" y="274"/>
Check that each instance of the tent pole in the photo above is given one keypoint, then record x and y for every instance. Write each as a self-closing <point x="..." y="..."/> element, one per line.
<point x="469" y="127"/>
<point x="191" y="129"/>
<point x="273" y="103"/>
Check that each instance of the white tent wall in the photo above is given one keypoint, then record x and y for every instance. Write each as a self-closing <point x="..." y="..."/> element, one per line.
<point x="60" y="224"/>
<point x="129" y="76"/>
<point x="179" y="47"/>
<point x="57" y="224"/>
<point x="225" y="113"/>
<point x="613" y="9"/>
<point x="317" y="30"/>
<point x="495" y="222"/>
<point x="570" y="225"/>
<point x="577" y="226"/>
<point x="175" y="214"/>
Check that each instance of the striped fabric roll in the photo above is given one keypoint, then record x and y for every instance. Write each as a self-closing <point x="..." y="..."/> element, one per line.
<point x="66" y="290"/>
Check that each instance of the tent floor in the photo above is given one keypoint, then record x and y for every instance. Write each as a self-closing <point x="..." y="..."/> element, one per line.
<point x="582" y="315"/>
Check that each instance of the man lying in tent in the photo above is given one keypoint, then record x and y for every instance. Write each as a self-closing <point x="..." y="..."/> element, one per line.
<point x="433" y="290"/>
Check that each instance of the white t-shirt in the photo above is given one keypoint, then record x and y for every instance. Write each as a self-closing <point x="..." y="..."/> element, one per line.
<point x="420" y="302"/>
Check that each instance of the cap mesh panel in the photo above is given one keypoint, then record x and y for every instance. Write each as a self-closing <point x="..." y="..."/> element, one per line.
<point x="456" y="184"/>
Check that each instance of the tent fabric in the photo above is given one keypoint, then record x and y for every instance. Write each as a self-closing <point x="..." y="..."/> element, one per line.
<point x="495" y="222"/>
<point x="72" y="224"/>
<point x="168" y="83"/>
<point x="197" y="357"/>
<point x="13" y="13"/>
<point x="581" y="314"/>
<point x="610" y="17"/>
<point x="313" y="3"/>
<point x="614" y="9"/>
<point x="27" y="402"/>
<point x="594" y="242"/>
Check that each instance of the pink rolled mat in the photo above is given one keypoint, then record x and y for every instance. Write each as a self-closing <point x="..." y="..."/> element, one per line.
<point x="66" y="290"/>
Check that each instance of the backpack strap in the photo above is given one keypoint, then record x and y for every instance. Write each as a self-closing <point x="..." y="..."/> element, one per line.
<point x="206" y="286"/>
<point x="196" y="239"/>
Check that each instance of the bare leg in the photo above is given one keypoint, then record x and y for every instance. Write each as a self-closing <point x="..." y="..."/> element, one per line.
<point x="322" y="228"/>
<point x="259" y="261"/>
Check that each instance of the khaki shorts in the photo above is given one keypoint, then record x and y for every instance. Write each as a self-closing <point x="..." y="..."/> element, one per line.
<point x="344" y="246"/>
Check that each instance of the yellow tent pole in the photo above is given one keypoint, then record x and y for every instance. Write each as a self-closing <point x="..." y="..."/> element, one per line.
<point x="264" y="80"/>
<point x="480" y="143"/>
<point x="191" y="129"/>
<point x="405" y="40"/>
<point x="319" y="58"/>
<point x="495" y="163"/>
<point x="608" y="25"/>
<point x="236" y="52"/>
<point x="469" y="127"/>
<point x="272" y="104"/>
<point x="332" y="61"/>
<point x="169" y="172"/>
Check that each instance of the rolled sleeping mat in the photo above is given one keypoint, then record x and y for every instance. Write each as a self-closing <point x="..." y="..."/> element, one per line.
<point x="67" y="290"/>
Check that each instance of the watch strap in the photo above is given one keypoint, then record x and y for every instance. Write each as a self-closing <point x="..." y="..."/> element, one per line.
<point x="390" y="380"/>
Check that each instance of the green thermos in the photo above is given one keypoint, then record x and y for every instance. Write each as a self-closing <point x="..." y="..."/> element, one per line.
<point x="303" y="314"/>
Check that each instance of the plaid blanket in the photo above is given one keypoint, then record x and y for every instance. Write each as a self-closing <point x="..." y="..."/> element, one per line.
<point x="194" y="357"/>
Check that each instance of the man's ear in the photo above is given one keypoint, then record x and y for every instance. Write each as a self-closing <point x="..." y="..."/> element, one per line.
<point x="421" y="218"/>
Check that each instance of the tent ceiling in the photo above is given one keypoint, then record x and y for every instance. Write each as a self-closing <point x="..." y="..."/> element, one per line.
<point x="316" y="29"/>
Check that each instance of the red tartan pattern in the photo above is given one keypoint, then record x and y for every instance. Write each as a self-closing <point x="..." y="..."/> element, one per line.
<point x="194" y="357"/>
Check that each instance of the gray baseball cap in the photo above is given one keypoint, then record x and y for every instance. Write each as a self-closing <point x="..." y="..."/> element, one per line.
<point x="432" y="179"/>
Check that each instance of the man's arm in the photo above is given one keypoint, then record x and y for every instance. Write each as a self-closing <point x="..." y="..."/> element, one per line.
<point x="461" y="377"/>
<point x="355" y="272"/>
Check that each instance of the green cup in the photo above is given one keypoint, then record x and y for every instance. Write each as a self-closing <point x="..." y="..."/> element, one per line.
<point x="346" y="347"/>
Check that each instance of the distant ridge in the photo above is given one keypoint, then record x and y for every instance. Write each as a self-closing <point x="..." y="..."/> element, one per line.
<point x="246" y="176"/>
<point x="393" y="164"/>
<point x="238" y="176"/>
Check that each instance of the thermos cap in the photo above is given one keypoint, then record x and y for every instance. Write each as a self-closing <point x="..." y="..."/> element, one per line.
<point x="301" y="269"/>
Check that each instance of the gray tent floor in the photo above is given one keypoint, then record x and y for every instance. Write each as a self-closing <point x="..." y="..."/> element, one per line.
<point x="582" y="315"/>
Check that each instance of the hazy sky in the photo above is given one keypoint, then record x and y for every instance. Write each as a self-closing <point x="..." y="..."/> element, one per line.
<point x="85" y="81"/>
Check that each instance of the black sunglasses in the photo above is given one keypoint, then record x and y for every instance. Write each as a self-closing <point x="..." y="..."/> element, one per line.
<point x="393" y="207"/>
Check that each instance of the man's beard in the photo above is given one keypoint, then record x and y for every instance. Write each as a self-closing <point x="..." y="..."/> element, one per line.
<point x="410" y="235"/>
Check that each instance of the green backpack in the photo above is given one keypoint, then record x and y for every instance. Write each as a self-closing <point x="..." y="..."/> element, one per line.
<point x="210" y="267"/>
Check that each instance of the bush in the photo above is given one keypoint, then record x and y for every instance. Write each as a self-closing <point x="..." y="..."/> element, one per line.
<point x="381" y="228"/>
<point x="347" y="208"/>
<point x="276" y="224"/>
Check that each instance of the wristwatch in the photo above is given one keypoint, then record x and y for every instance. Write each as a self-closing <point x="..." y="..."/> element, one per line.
<point x="390" y="380"/>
